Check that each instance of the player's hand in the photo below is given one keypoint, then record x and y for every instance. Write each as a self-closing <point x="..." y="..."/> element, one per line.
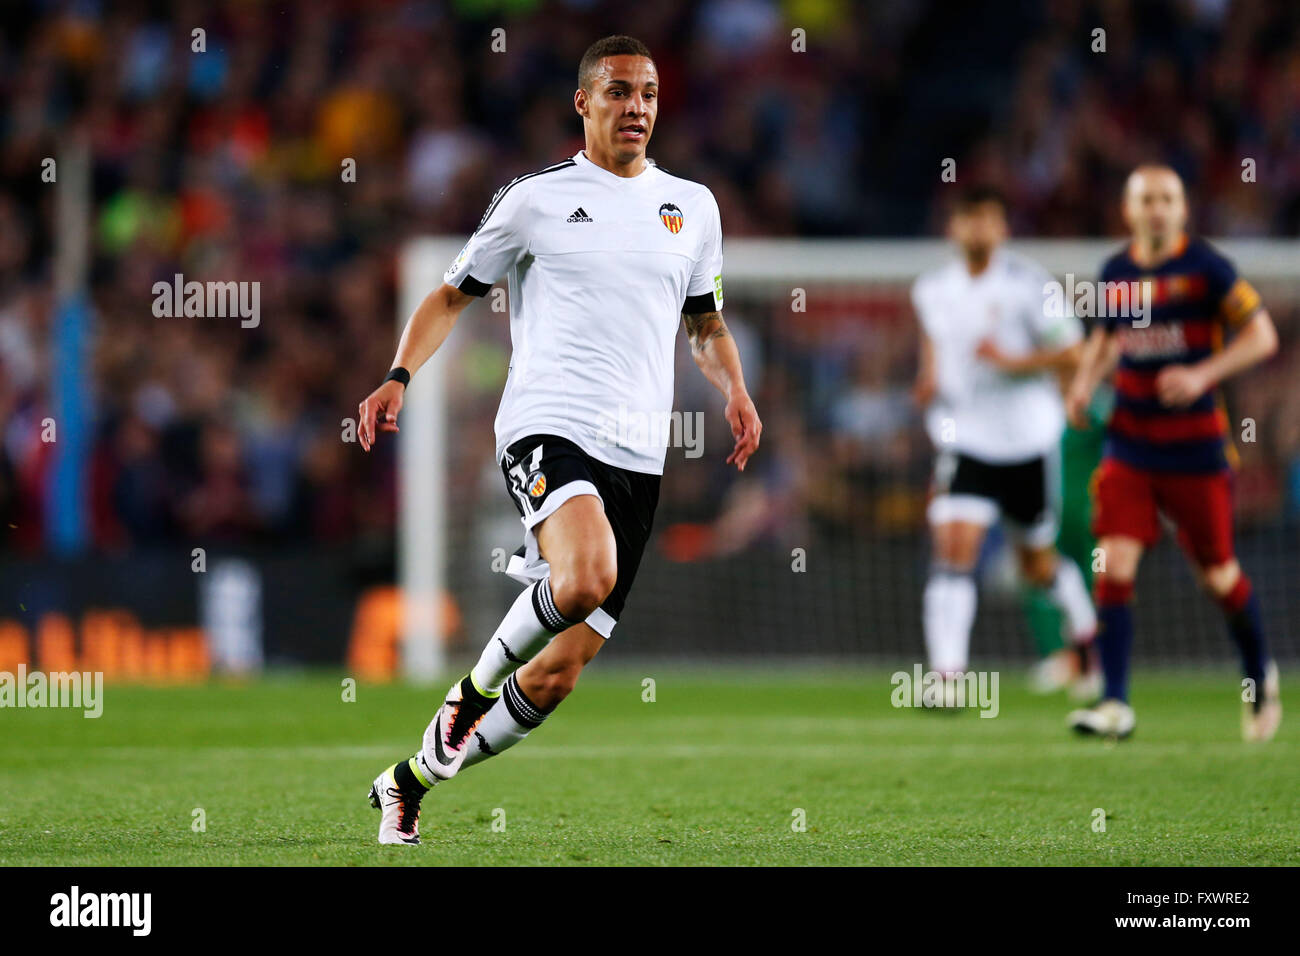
<point x="988" y="350"/>
<point x="1180" y="385"/>
<point x="746" y="428"/>
<point x="1077" y="400"/>
<point x="379" y="411"/>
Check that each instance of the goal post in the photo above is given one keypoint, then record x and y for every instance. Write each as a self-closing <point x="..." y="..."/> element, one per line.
<point x="421" y="476"/>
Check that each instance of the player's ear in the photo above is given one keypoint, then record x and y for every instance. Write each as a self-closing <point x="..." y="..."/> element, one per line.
<point x="580" y="102"/>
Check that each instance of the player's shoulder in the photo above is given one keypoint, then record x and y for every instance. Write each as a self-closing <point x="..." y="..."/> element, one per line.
<point x="1018" y="267"/>
<point x="934" y="279"/>
<point x="692" y="189"/>
<point x="523" y="183"/>
<point x="512" y="198"/>
<point x="1203" y="253"/>
<point x="1117" y="263"/>
<point x="946" y="271"/>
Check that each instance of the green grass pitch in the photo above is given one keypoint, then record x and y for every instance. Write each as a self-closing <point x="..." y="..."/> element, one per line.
<point x="713" y="771"/>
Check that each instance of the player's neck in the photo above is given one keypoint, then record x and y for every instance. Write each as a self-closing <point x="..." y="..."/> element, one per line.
<point x="609" y="162"/>
<point x="1151" y="252"/>
<point x="977" y="263"/>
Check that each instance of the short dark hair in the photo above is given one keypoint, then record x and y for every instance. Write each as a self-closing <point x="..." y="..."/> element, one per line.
<point x="978" y="195"/>
<point x="617" y="45"/>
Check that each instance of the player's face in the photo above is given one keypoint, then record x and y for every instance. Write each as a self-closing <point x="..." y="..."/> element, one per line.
<point x="621" y="106"/>
<point x="1154" y="205"/>
<point x="978" y="229"/>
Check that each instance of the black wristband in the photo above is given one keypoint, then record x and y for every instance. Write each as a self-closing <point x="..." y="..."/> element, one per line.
<point x="399" y="374"/>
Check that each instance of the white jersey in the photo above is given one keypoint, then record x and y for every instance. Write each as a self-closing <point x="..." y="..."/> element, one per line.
<point x="600" y="269"/>
<point x="980" y="411"/>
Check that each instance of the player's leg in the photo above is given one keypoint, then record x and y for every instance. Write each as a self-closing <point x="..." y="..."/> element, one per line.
<point x="1055" y="668"/>
<point x="1081" y="454"/>
<point x="1119" y="560"/>
<point x="555" y="489"/>
<point x="1046" y="626"/>
<point x="1059" y="581"/>
<point x="948" y="605"/>
<point x="578" y="546"/>
<point x="1201" y="505"/>
<point x="1076" y="665"/>
<point x="1113" y="585"/>
<point x="1126" y="523"/>
<point x="1262" y="706"/>
<point x="1046" y="568"/>
<point x="1030" y="502"/>
<point x="534" y="691"/>
<point x="537" y="688"/>
<point x="959" y="516"/>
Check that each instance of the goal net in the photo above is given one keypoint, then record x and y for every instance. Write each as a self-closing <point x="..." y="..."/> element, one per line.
<point x="819" y="550"/>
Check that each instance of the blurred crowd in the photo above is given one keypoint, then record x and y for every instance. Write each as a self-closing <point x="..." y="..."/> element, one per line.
<point x="221" y="133"/>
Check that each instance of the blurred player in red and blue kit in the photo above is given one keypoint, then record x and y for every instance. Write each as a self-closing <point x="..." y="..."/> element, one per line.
<point x="1167" y="447"/>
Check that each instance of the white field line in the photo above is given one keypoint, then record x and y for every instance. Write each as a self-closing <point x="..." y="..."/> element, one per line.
<point x="1081" y="749"/>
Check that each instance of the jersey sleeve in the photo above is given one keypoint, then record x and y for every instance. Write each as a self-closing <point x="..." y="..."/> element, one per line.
<point x="704" y="291"/>
<point x="500" y="241"/>
<point x="1235" y="299"/>
<point x="1051" y="317"/>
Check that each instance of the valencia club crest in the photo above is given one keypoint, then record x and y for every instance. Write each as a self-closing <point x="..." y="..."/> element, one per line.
<point x="672" y="217"/>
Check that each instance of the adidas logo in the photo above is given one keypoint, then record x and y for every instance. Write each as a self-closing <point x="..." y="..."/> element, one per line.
<point x="579" y="215"/>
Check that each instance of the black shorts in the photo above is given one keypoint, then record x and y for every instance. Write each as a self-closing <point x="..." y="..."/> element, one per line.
<point x="1019" y="491"/>
<point x="544" y="471"/>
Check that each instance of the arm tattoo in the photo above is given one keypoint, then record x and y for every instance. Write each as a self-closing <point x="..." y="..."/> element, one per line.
<point x="703" y="328"/>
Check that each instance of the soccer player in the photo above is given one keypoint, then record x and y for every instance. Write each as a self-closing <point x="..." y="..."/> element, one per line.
<point x="991" y="347"/>
<point x="604" y="254"/>
<point x="1167" y="447"/>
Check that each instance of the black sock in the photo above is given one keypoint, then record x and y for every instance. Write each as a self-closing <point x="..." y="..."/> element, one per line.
<point x="406" y="779"/>
<point x="470" y="695"/>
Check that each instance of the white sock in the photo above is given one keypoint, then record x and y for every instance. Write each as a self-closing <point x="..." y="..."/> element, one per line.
<point x="527" y="627"/>
<point x="509" y="721"/>
<point x="1070" y="594"/>
<point x="948" y="613"/>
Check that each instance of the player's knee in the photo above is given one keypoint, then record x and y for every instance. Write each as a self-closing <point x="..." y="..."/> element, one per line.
<point x="1039" y="567"/>
<point x="582" y="589"/>
<point x="1116" y="560"/>
<point x="955" y="552"/>
<point x="1221" y="579"/>
<point x="950" y="553"/>
<point x="956" y="562"/>
<point x="1110" y="589"/>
